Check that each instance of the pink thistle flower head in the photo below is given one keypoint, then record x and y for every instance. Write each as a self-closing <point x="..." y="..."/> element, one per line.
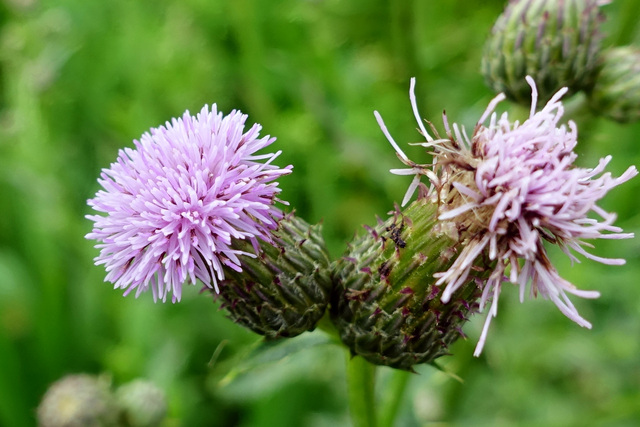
<point x="508" y="189"/>
<point x="175" y="204"/>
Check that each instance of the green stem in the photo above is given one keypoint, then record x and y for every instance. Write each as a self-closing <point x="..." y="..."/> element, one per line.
<point x="361" y="389"/>
<point x="326" y="325"/>
<point x="393" y="396"/>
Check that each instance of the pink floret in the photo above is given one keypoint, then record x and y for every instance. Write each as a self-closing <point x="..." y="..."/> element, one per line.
<point x="174" y="204"/>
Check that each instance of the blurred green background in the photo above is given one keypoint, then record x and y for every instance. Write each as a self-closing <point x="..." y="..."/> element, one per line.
<point x="80" y="79"/>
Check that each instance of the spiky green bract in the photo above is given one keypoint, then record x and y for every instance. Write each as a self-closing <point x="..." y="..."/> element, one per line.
<point x="616" y="94"/>
<point x="284" y="291"/>
<point x="386" y="305"/>
<point x="557" y="42"/>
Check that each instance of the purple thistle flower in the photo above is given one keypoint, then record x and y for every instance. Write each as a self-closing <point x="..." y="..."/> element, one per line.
<point x="512" y="186"/>
<point x="175" y="204"/>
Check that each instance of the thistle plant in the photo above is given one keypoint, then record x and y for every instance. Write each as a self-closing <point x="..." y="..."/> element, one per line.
<point x="493" y="200"/>
<point x="198" y="200"/>
<point x="192" y="202"/>
<point x="387" y="306"/>
<point x="83" y="400"/>
<point x="555" y="42"/>
<point x="142" y="404"/>
<point x="616" y="93"/>
<point x="284" y="290"/>
<point x="176" y="203"/>
<point x="78" y="401"/>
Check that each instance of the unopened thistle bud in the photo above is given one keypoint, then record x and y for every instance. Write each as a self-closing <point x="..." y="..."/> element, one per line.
<point x="142" y="403"/>
<point x="616" y="93"/>
<point x="78" y="401"/>
<point x="556" y="42"/>
<point x="494" y="200"/>
<point x="284" y="290"/>
<point x="386" y="306"/>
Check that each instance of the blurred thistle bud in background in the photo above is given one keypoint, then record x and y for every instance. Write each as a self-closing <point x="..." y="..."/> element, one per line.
<point x="492" y="203"/>
<point x="78" y="401"/>
<point x="142" y="404"/>
<point x="616" y="93"/>
<point x="176" y="203"/>
<point x="557" y="42"/>
<point x="284" y="291"/>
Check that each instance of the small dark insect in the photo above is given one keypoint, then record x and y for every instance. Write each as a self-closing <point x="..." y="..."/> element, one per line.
<point x="384" y="270"/>
<point x="394" y="235"/>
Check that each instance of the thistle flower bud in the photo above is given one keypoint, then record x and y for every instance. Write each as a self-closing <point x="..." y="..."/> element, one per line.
<point x="556" y="42"/>
<point x="616" y="93"/>
<point x="142" y="403"/>
<point x="284" y="291"/>
<point x="387" y="306"/>
<point x="78" y="401"/>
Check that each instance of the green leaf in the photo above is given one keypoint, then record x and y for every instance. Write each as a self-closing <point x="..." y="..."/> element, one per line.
<point x="264" y="352"/>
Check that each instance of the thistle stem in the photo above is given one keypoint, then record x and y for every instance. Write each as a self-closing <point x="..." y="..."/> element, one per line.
<point x="392" y="397"/>
<point x="361" y="390"/>
<point x="325" y="325"/>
